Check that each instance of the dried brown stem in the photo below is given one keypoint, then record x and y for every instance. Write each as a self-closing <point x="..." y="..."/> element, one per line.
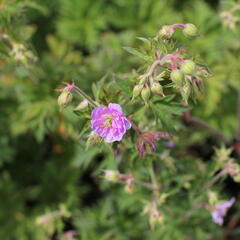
<point x="189" y="119"/>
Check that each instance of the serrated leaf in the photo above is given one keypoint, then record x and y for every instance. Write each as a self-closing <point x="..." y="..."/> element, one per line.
<point x="165" y="112"/>
<point x="123" y="84"/>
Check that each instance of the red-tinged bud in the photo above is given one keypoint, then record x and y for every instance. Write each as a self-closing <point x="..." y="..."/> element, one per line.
<point x="156" y="88"/>
<point x="188" y="67"/>
<point x="190" y="30"/>
<point x="155" y="218"/>
<point x="111" y="175"/>
<point x="146" y="141"/>
<point x="64" y="98"/>
<point x="129" y="187"/>
<point x="177" y="77"/>
<point x="233" y="169"/>
<point x="137" y="90"/>
<point x="145" y="93"/>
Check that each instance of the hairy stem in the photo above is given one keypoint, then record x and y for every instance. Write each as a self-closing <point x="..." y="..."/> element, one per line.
<point x="238" y="117"/>
<point x="208" y="184"/>
<point x="85" y="96"/>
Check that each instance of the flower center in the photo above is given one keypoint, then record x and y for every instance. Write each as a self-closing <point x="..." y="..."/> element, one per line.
<point x="108" y="120"/>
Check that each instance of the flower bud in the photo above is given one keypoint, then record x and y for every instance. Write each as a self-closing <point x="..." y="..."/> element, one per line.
<point x="190" y="30"/>
<point x="64" y="98"/>
<point x="155" y="218"/>
<point x="166" y="32"/>
<point x="212" y="197"/>
<point x="188" y="67"/>
<point x="137" y="90"/>
<point x="177" y="77"/>
<point x="129" y="187"/>
<point x="156" y="88"/>
<point x="93" y="139"/>
<point x="237" y="178"/>
<point x="82" y="106"/>
<point x="186" y="91"/>
<point x="145" y="93"/>
<point x="111" y="176"/>
<point x="235" y="173"/>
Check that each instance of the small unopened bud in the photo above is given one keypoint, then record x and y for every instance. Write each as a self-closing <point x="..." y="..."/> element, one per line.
<point x="155" y="218"/>
<point x="112" y="176"/>
<point x="129" y="187"/>
<point x="156" y="88"/>
<point x="137" y="90"/>
<point x="166" y="32"/>
<point x="145" y="93"/>
<point x="190" y="30"/>
<point x="93" y="139"/>
<point x="188" y="67"/>
<point x="64" y="98"/>
<point x="177" y="77"/>
<point x="237" y="178"/>
<point x="235" y="172"/>
<point x="186" y="91"/>
<point x="212" y="197"/>
<point x="82" y="106"/>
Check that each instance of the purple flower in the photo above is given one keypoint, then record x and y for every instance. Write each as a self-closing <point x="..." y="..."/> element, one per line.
<point x="220" y="211"/>
<point x="170" y="144"/>
<point x="110" y="122"/>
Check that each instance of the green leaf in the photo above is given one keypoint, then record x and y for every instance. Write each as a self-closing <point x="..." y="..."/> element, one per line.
<point x="135" y="52"/>
<point x="165" y="112"/>
<point x="145" y="40"/>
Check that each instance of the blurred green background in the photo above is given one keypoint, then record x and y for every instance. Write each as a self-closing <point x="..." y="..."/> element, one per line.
<point x="49" y="184"/>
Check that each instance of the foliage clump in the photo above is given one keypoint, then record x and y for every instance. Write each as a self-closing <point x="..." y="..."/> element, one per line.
<point x="174" y="174"/>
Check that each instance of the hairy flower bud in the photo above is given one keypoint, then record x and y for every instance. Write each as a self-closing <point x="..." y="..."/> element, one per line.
<point x="212" y="197"/>
<point x="177" y="77"/>
<point x="156" y="88"/>
<point x="190" y="30"/>
<point x="155" y="218"/>
<point x="93" y="139"/>
<point x="145" y="93"/>
<point x="234" y="171"/>
<point x="137" y="90"/>
<point x="64" y="98"/>
<point x="186" y="91"/>
<point x="188" y="67"/>
<point x="129" y="187"/>
<point x="82" y="106"/>
<point x="111" y="175"/>
<point x="166" y="32"/>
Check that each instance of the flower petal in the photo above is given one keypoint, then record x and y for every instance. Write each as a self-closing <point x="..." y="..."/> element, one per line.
<point x="97" y="112"/>
<point x="127" y="123"/>
<point x="112" y="114"/>
<point x="115" y="106"/>
<point x="217" y="218"/>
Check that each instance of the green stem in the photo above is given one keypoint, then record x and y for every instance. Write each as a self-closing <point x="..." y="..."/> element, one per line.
<point x="198" y="203"/>
<point x="214" y="179"/>
<point x="85" y="96"/>
<point x="238" y="116"/>
<point x="154" y="180"/>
